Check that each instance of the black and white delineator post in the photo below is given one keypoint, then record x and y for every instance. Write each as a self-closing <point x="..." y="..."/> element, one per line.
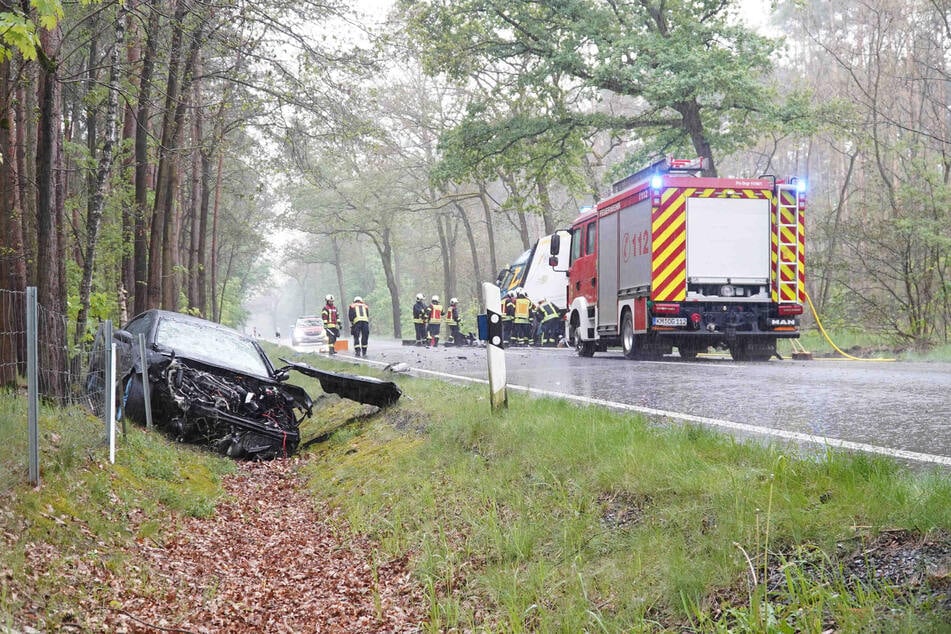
<point x="494" y="353"/>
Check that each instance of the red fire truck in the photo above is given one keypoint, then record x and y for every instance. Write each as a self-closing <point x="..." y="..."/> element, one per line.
<point x="675" y="259"/>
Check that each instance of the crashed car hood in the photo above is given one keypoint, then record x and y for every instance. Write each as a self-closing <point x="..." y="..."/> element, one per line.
<point x="364" y="389"/>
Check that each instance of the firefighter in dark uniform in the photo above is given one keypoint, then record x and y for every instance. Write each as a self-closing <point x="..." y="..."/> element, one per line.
<point x="434" y="319"/>
<point x="359" y="315"/>
<point x="453" y="321"/>
<point x="331" y="322"/>
<point x="419" y="319"/>
<point x="508" y="316"/>
<point x="549" y="322"/>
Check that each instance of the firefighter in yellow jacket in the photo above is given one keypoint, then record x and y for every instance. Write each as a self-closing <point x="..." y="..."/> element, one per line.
<point x="453" y="321"/>
<point x="434" y="319"/>
<point x="331" y="322"/>
<point x="524" y="308"/>
<point x="359" y="314"/>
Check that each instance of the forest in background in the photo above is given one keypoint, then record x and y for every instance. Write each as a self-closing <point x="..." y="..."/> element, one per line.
<point x="153" y="149"/>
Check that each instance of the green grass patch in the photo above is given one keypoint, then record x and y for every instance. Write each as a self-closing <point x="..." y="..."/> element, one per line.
<point x="87" y="511"/>
<point x="555" y="517"/>
<point x="545" y="517"/>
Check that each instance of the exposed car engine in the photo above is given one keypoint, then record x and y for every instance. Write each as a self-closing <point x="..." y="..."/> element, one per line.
<point x="241" y="416"/>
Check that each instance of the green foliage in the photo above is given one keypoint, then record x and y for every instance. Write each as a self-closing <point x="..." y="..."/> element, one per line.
<point x="19" y="31"/>
<point x="688" y="75"/>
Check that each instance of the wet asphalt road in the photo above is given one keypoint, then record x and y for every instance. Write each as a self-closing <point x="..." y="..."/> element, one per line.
<point x="902" y="406"/>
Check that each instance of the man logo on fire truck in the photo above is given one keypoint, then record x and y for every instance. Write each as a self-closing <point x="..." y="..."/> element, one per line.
<point x="675" y="259"/>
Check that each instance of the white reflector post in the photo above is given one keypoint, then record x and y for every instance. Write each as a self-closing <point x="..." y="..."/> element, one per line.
<point x="111" y="389"/>
<point x="494" y="354"/>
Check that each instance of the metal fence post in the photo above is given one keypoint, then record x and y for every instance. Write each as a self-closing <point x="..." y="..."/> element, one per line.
<point x="145" y="382"/>
<point x="111" y="389"/>
<point x="107" y="399"/>
<point x="32" y="385"/>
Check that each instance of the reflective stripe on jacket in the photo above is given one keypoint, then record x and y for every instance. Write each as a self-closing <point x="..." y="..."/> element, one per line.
<point x="452" y="316"/>
<point x="419" y="313"/>
<point x="359" y="312"/>
<point x="330" y="316"/>
<point x="549" y="311"/>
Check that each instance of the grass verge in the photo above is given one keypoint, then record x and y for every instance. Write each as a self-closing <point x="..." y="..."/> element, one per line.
<point x="86" y="511"/>
<point x="555" y="517"/>
<point x="545" y="517"/>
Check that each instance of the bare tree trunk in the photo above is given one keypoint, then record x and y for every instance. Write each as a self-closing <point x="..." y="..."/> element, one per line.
<point x="833" y="234"/>
<point x="196" y="199"/>
<point x="141" y="231"/>
<point x="216" y="315"/>
<point x="171" y="253"/>
<point x="26" y="134"/>
<point x="693" y="125"/>
<point x="544" y="199"/>
<point x="127" y="284"/>
<point x="97" y="197"/>
<point x="201" y="278"/>
<point x="50" y="292"/>
<point x="523" y="230"/>
<point x="489" y="228"/>
<point x="12" y="267"/>
<point x="157" y="266"/>
<point x="338" y="268"/>
<point x="446" y="252"/>
<point x="385" y="248"/>
<point x="473" y="251"/>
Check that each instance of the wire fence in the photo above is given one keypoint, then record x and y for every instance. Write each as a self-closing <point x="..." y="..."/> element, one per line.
<point x="62" y="367"/>
<point x="41" y="372"/>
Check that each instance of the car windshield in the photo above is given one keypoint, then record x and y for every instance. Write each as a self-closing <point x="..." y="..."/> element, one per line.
<point x="308" y="323"/>
<point x="210" y="344"/>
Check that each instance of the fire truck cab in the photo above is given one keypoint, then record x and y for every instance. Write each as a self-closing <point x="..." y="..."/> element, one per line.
<point x="675" y="259"/>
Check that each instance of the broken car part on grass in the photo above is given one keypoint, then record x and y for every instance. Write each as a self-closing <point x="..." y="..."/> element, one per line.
<point x="212" y="385"/>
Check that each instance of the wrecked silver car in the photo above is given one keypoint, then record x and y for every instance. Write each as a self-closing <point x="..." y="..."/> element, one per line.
<point x="209" y="385"/>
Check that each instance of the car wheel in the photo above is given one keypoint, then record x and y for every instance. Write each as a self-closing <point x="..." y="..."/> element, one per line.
<point x="134" y="396"/>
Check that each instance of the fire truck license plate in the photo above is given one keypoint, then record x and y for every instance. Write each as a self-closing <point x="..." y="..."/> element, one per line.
<point x="670" y="321"/>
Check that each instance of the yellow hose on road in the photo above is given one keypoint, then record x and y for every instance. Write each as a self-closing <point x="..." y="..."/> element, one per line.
<point x="832" y="343"/>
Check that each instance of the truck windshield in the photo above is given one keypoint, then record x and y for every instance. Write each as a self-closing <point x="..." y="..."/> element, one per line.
<point x="514" y="275"/>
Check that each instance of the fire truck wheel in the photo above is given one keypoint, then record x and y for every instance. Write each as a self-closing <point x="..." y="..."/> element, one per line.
<point x="584" y="348"/>
<point x="627" y="336"/>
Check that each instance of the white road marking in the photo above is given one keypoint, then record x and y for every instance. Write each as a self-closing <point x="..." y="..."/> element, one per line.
<point x="713" y="422"/>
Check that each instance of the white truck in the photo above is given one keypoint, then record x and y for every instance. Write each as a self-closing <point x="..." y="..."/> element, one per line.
<point x="533" y="271"/>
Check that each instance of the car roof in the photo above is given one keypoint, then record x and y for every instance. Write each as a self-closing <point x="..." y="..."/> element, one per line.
<point x="184" y="317"/>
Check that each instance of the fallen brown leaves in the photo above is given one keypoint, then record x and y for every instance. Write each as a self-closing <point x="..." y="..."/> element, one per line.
<point x="267" y="561"/>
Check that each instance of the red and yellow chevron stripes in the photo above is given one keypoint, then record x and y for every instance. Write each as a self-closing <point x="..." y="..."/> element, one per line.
<point x="788" y="249"/>
<point x="669" y="236"/>
<point x="801" y="240"/>
<point x="669" y="246"/>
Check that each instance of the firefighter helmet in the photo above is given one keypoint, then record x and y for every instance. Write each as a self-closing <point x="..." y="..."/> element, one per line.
<point x="520" y="292"/>
<point x="330" y="298"/>
<point x="453" y="301"/>
<point x="435" y="299"/>
<point x="357" y="299"/>
<point x="419" y="297"/>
